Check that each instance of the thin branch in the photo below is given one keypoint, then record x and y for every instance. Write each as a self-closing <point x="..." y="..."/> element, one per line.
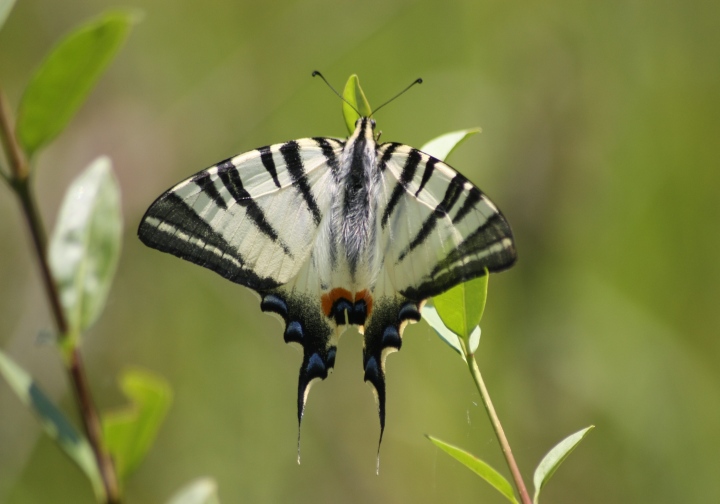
<point x="37" y="232"/>
<point x="93" y="427"/>
<point x="20" y="181"/>
<point x="497" y="427"/>
<point x="16" y="157"/>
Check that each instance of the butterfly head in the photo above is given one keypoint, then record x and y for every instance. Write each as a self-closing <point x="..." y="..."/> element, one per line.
<point x="364" y="128"/>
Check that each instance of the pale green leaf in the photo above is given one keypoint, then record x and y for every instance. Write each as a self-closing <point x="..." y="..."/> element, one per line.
<point x="353" y="93"/>
<point x="85" y="244"/>
<point x="429" y="313"/>
<point x="550" y="462"/>
<point x="479" y="467"/>
<point x="200" y="491"/>
<point x="461" y="307"/>
<point x="53" y="421"/>
<point x="442" y="146"/>
<point x="130" y="432"/>
<point x="66" y="77"/>
<point x="5" y="8"/>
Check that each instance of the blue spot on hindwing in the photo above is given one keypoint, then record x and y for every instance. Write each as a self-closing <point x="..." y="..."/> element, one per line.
<point x="391" y="338"/>
<point x="316" y="367"/>
<point x="294" y="332"/>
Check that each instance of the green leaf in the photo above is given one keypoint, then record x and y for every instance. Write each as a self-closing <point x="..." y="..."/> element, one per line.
<point x="201" y="491"/>
<point x="129" y="432"/>
<point x="64" y="79"/>
<point x="85" y="244"/>
<point x="461" y="307"/>
<point x="429" y="313"/>
<point x="53" y="421"/>
<point x="5" y="8"/>
<point x="550" y="462"/>
<point x="442" y="146"/>
<point x="479" y="467"/>
<point x="353" y="93"/>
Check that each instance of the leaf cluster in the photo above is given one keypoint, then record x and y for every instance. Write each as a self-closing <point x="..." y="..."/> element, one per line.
<point x="81" y="259"/>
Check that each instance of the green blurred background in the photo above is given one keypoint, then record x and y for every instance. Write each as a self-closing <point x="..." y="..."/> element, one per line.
<point x="601" y="127"/>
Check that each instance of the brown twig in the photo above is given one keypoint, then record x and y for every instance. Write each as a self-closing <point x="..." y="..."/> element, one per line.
<point x="20" y="182"/>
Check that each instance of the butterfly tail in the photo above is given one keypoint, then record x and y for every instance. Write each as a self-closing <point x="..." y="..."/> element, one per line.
<point x="383" y="335"/>
<point x="306" y="326"/>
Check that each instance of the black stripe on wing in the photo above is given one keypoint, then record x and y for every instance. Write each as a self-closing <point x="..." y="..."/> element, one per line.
<point x="387" y="154"/>
<point x="206" y="185"/>
<point x="329" y="152"/>
<point x="171" y="225"/>
<point x="452" y="194"/>
<point x="427" y="173"/>
<point x="269" y="163"/>
<point x="408" y="173"/>
<point x="228" y="174"/>
<point x="472" y="199"/>
<point x="492" y="240"/>
<point x="291" y="154"/>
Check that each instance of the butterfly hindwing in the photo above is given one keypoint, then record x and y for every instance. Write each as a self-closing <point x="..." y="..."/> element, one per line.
<point x="383" y="335"/>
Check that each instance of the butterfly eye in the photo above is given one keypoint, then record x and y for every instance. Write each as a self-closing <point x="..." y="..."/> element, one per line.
<point x="372" y="123"/>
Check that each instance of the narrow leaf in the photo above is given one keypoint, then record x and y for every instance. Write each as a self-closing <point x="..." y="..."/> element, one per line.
<point x="478" y="466"/>
<point x="130" y="432"/>
<point x="461" y="307"/>
<point x="442" y="146"/>
<point x="65" y="78"/>
<point x="550" y="462"/>
<point x="53" y="421"/>
<point x="85" y="244"/>
<point x="201" y="491"/>
<point x="353" y="93"/>
<point x="5" y="8"/>
<point x="429" y="313"/>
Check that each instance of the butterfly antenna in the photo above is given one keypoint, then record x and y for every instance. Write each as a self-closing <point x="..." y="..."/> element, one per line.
<point x="316" y="73"/>
<point x="416" y="81"/>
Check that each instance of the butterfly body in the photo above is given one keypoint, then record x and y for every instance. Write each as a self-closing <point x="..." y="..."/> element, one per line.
<point x="332" y="233"/>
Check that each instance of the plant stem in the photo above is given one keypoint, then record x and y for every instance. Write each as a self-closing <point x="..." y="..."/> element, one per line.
<point x="497" y="427"/>
<point x="20" y="182"/>
<point x="16" y="158"/>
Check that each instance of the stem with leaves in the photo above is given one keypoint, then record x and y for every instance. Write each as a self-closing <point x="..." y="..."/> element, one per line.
<point x="497" y="426"/>
<point x="20" y="181"/>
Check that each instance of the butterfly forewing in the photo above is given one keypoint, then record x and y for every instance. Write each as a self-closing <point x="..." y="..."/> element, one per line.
<point x="438" y="228"/>
<point x="251" y="218"/>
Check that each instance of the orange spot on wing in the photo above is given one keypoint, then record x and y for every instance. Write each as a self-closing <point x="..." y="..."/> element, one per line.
<point x="327" y="300"/>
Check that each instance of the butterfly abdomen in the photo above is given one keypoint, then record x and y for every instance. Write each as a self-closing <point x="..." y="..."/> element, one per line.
<point x="353" y="214"/>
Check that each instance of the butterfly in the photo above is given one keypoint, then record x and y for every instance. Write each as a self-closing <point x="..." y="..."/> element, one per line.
<point x="332" y="233"/>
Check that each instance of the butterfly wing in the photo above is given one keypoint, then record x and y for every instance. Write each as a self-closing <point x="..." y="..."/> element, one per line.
<point x="449" y="231"/>
<point x="437" y="230"/>
<point x="251" y="218"/>
<point x="254" y="219"/>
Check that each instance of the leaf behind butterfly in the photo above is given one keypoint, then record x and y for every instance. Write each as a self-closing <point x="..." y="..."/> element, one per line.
<point x="353" y="93"/>
<point x="441" y="147"/>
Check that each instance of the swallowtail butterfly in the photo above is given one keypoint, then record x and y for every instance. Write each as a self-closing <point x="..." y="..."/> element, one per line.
<point x="333" y="232"/>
